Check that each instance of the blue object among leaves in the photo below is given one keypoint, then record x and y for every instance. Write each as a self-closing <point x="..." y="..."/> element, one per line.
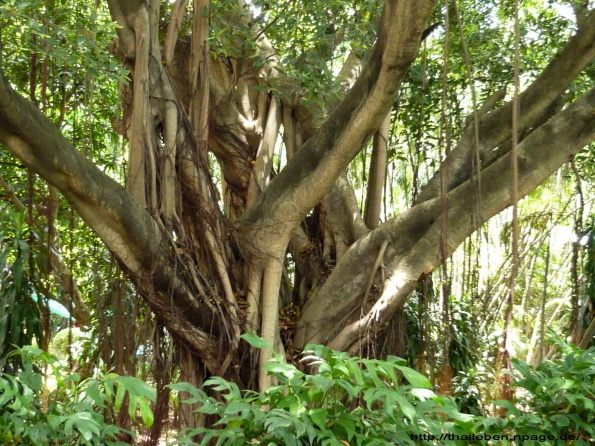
<point x="55" y="307"/>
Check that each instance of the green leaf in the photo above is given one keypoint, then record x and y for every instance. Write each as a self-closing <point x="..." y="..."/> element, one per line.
<point x="120" y="394"/>
<point x="132" y="405"/>
<point x="197" y="395"/>
<point x="321" y="382"/>
<point x="319" y="417"/>
<point x="256" y="341"/>
<point x="560" y="420"/>
<point x="145" y="412"/>
<point x="395" y="360"/>
<point x="415" y="378"/>
<point x="407" y="408"/>
<point x="95" y="394"/>
<point x="56" y="421"/>
<point x="349" y="426"/>
<point x="276" y="420"/>
<point x="372" y="372"/>
<point x="137" y="387"/>
<point x="422" y="393"/>
<point x="221" y="384"/>
<point x="283" y="369"/>
<point x="86" y="426"/>
<point x="512" y="410"/>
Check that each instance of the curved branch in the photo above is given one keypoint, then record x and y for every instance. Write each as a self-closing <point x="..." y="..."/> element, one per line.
<point x="126" y="228"/>
<point x="267" y="226"/>
<point x="414" y="235"/>
<point x="495" y="127"/>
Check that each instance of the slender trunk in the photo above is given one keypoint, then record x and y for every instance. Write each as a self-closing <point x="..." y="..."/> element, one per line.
<point x="269" y="331"/>
<point x="191" y="371"/>
<point x="588" y="335"/>
<point x="575" y="322"/>
<point x="377" y="174"/>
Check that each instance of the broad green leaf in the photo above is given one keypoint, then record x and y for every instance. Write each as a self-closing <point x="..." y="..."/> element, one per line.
<point x="120" y="393"/>
<point x="132" y="399"/>
<point x="319" y="416"/>
<point x="415" y="378"/>
<point x="145" y="412"/>
<point x="256" y="341"/>
<point x="137" y="387"/>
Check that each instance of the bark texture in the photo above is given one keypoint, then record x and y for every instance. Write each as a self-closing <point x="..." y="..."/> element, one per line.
<point x="210" y="272"/>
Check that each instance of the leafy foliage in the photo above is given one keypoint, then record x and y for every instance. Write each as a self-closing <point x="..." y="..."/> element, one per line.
<point x="19" y="313"/>
<point x="349" y="401"/>
<point x="558" y="401"/>
<point x="75" y="39"/>
<point x="75" y="413"/>
<point x="346" y="400"/>
<point x="367" y="402"/>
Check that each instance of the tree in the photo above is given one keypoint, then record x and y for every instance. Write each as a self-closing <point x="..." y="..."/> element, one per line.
<point x="212" y="265"/>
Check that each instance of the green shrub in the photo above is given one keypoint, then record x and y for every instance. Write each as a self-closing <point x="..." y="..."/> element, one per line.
<point x="558" y="402"/>
<point x="20" y="322"/>
<point x="350" y="401"/>
<point x="353" y="401"/>
<point x="74" y="414"/>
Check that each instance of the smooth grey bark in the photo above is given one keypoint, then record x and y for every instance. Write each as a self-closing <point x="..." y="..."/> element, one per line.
<point x="267" y="226"/>
<point x="377" y="174"/>
<point x="332" y="305"/>
<point x="414" y="235"/>
<point x="126" y="228"/>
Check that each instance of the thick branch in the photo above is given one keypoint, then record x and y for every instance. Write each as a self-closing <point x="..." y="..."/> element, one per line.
<point x="415" y="233"/>
<point x="495" y="127"/>
<point x="312" y="171"/>
<point x="126" y="228"/>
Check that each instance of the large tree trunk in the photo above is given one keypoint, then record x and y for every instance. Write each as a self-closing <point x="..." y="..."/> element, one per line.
<point x="196" y="263"/>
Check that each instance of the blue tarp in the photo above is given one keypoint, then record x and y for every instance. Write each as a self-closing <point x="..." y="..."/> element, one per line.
<point x="58" y="308"/>
<point x="55" y="307"/>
